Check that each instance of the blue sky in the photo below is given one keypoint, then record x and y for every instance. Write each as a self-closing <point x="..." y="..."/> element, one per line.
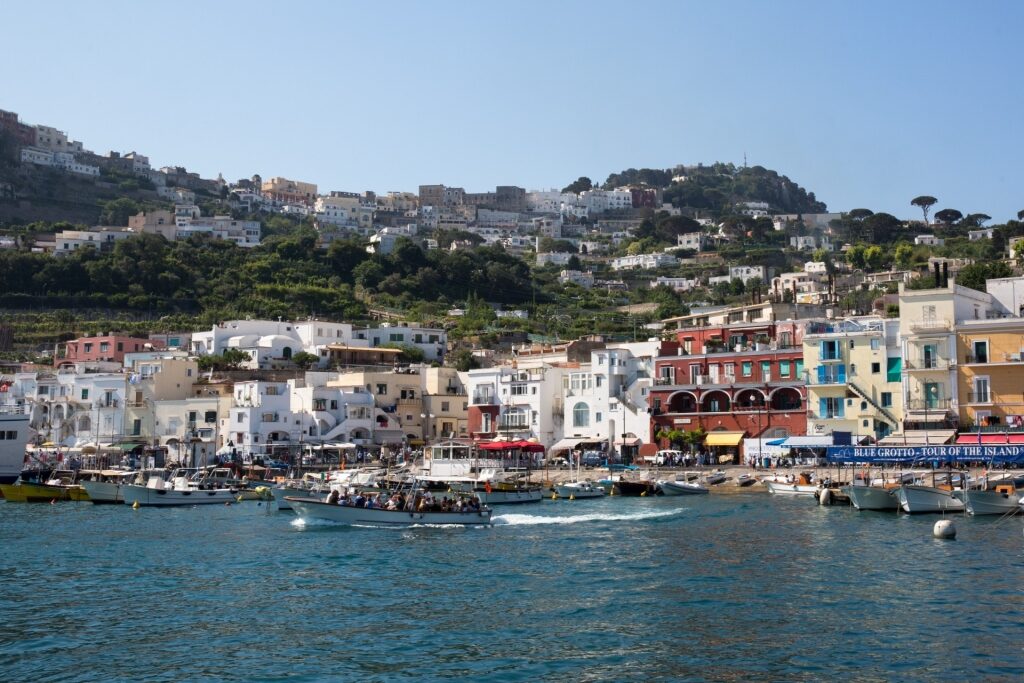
<point x="864" y="103"/>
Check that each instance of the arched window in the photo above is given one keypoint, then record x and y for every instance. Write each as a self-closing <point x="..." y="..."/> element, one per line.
<point x="581" y="415"/>
<point x="287" y="352"/>
<point x="84" y="424"/>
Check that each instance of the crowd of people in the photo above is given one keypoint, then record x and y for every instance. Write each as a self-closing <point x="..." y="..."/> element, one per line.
<point x="414" y="502"/>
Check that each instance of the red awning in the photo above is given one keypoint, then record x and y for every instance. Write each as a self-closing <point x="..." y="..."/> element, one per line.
<point x="528" y="446"/>
<point x="968" y="439"/>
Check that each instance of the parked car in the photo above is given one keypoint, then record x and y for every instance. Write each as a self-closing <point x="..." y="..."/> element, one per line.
<point x="592" y="459"/>
<point x="557" y="463"/>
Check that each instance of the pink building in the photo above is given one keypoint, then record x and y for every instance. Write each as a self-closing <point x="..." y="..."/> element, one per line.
<point x="109" y="347"/>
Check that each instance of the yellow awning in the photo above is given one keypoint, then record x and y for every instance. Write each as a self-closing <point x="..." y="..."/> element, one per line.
<point x="723" y="439"/>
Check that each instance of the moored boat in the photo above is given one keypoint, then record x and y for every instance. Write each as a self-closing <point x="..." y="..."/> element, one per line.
<point x="104" y="486"/>
<point x="176" y="492"/>
<point x="635" y="487"/>
<point x="14" y="427"/>
<point x="36" y="492"/>
<point x="872" y="497"/>
<point x="1002" y="500"/>
<point x="312" y="508"/>
<point x="680" y="488"/>
<point x="788" y="485"/>
<point x="914" y="498"/>
<point x="579" y="489"/>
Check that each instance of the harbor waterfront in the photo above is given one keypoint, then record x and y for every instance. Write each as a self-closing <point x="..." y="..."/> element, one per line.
<point x="720" y="587"/>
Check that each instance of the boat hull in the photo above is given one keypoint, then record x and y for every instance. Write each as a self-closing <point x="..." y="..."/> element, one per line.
<point x="681" y="488"/>
<point x="579" y="490"/>
<point x="29" y="492"/>
<point x="104" y="492"/>
<point x="635" y="488"/>
<point x="871" y="498"/>
<point x="311" y="508"/>
<point x="992" y="502"/>
<point x="921" y="499"/>
<point x="779" y="488"/>
<point x="151" y="497"/>
<point x="498" y="497"/>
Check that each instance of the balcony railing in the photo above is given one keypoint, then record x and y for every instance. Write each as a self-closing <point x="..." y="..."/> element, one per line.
<point x="972" y="359"/>
<point x="931" y="325"/>
<point x="924" y="405"/>
<point x="921" y="363"/>
<point x="979" y="397"/>
<point x="826" y="379"/>
<point x="484" y="400"/>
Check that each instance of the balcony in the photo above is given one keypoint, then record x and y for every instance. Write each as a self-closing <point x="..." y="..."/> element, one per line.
<point x="484" y="400"/>
<point x="982" y="397"/>
<point x="928" y="363"/>
<point x="931" y="325"/>
<point x="664" y="381"/>
<point x="826" y="378"/>
<point x="971" y="359"/>
<point x="937" y="405"/>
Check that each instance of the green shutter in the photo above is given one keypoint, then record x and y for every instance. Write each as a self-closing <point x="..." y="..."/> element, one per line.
<point x="893" y="369"/>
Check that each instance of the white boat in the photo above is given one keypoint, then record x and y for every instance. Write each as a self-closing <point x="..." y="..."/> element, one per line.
<point x="680" y="488"/>
<point x="1001" y="501"/>
<point x="916" y="498"/>
<point x="872" y="497"/>
<point x="311" y="508"/>
<point x="104" y="486"/>
<point x="579" y="489"/>
<point x="781" y="488"/>
<point x="788" y="485"/>
<point x="712" y="478"/>
<point x="178" y="491"/>
<point x="14" y="428"/>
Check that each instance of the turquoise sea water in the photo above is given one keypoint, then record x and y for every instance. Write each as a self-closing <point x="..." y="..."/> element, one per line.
<point x="721" y="588"/>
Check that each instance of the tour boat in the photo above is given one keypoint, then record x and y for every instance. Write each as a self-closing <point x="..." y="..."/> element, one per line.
<point x="1002" y="500"/>
<point x="872" y="497"/>
<point x="579" y="489"/>
<point x="104" y="486"/>
<point x="916" y="498"/>
<point x="58" y="488"/>
<point x="14" y="428"/>
<point x="177" y="491"/>
<point x="312" y="508"/>
<point x="680" y="488"/>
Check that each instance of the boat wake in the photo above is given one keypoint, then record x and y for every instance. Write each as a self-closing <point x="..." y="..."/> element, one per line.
<point x="532" y="520"/>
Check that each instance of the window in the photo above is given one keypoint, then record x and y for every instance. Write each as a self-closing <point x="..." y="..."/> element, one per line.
<point x="748" y="368"/>
<point x="864" y="423"/>
<point x="876" y="344"/>
<point x="784" y="368"/>
<point x="334" y="404"/>
<point x="382" y="389"/>
<point x="241" y="417"/>
<point x="876" y="368"/>
<point x="104" y="347"/>
<point x="766" y="371"/>
<point x="271" y="390"/>
<point x="863" y="406"/>
<point x="88" y="348"/>
<point x="85" y="394"/>
<point x="851" y="343"/>
<point x="396" y="337"/>
<point x="319" y="404"/>
<point x="519" y="389"/>
<point x="210" y="416"/>
<point x="444" y="406"/>
<point x="581" y="415"/>
<point x="597" y="418"/>
<point x="982" y="393"/>
<point x="485" y="423"/>
<point x="829" y="350"/>
<point x="533" y="417"/>
<point x="136" y="427"/>
<point x="831" y="408"/>
<point x="887" y="399"/>
<point x="980" y="351"/>
<point x="893" y="369"/>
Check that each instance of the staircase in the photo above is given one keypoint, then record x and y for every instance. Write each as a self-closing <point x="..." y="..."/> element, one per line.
<point x="874" y="404"/>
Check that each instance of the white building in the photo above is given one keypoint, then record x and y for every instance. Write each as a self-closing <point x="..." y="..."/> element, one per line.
<point x="584" y="279"/>
<point x="62" y="160"/>
<point x="747" y="273"/>
<point x="599" y="201"/>
<point x="260" y="419"/>
<point x="265" y="341"/>
<point x="696" y="241"/>
<point x="346" y="210"/>
<point x="102" y="239"/>
<point x="644" y="261"/>
<point x="558" y="258"/>
<point x="330" y="414"/>
<point x="980" y="234"/>
<point x="550" y="201"/>
<point x="929" y="240"/>
<point x="178" y="195"/>
<point x="242" y="233"/>
<point x="679" y="284"/>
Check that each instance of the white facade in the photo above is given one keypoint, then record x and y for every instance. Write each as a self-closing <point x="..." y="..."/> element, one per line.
<point x="62" y="160"/>
<point x="264" y="341"/>
<point x="644" y="261"/>
<point x="242" y="233"/>
<point x="929" y="240"/>
<point x="584" y="279"/>
<point x="71" y="240"/>
<point x="345" y="209"/>
<point x="697" y="241"/>
<point x="558" y="258"/>
<point x="260" y="418"/>
<point x="598" y="201"/>
<point x="550" y="201"/>
<point x="679" y="284"/>
<point x="747" y="273"/>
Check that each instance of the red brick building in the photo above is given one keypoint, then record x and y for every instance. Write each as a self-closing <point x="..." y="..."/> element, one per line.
<point x="745" y="380"/>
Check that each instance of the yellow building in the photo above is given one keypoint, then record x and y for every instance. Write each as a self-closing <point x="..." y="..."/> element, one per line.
<point x="990" y="373"/>
<point x="854" y="378"/>
<point x="288" y="191"/>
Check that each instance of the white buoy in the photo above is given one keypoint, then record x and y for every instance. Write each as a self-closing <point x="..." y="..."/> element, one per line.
<point x="825" y="497"/>
<point x="944" y="528"/>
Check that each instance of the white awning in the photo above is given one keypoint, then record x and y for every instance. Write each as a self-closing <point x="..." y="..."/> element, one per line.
<point x="919" y="437"/>
<point x="565" y="445"/>
<point x="807" y="442"/>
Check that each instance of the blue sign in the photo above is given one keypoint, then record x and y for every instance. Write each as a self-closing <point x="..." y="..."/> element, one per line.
<point x="996" y="454"/>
